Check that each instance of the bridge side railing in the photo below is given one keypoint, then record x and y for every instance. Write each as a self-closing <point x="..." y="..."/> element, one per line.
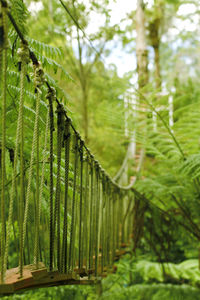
<point x="58" y="206"/>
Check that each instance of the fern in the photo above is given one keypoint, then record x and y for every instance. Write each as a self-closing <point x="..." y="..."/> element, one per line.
<point x="42" y="48"/>
<point x="20" y="14"/>
<point x="153" y="292"/>
<point x="191" y="167"/>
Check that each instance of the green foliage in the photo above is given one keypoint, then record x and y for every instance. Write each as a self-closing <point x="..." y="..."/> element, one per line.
<point x="143" y="279"/>
<point x="60" y="293"/>
<point x="169" y="179"/>
<point x="185" y="272"/>
<point x="20" y="14"/>
<point x="154" y="292"/>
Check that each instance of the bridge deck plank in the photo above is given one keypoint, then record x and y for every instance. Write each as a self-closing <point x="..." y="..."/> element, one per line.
<point x="33" y="278"/>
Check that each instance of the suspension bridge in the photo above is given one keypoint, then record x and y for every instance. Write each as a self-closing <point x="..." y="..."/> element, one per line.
<point x="63" y="219"/>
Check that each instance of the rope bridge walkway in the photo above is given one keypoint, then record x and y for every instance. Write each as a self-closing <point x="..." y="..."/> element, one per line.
<point x="63" y="219"/>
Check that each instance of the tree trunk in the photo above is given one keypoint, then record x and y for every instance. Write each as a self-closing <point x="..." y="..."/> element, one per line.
<point x="83" y="82"/>
<point x="154" y="27"/>
<point x="141" y="47"/>
<point x="84" y="85"/>
<point x="154" y="35"/>
<point x="157" y="67"/>
<point x="85" y="112"/>
<point x="142" y="69"/>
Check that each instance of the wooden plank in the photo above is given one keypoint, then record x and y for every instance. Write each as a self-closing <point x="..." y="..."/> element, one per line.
<point x="33" y="278"/>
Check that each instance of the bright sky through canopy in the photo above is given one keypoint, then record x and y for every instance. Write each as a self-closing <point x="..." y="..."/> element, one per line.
<point x="119" y="9"/>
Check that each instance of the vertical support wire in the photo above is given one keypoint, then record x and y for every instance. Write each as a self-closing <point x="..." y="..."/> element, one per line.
<point x="72" y="230"/>
<point x="118" y="212"/>
<point x="111" y="226"/>
<point x="100" y="222"/>
<point x="130" y="227"/>
<point x="85" y="238"/>
<point x="67" y="138"/>
<point x="23" y="53"/>
<point x="115" y="221"/>
<point x="51" y="97"/>
<point x="128" y="222"/>
<point x="36" y="250"/>
<point x="80" y="258"/>
<point x="3" y="50"/>
<point x="122" y="221"/>
<point x="76" y="211"/>
<point x="103" y="225"/>
<point x="38" y="82"/>
<point x="96" y="218"/>
<point x="13" y="186"/>
<point x="60" y="128"/>
<point x="109" y="235"/>
<point x="37" y="219"/>
<point x="91" y="218"/>
<point x="106" y="231"/>
<point x="114" y="224"/>
<point x="21" y="199"/>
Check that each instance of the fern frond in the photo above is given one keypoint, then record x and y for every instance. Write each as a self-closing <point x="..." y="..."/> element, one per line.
<point x="20" y="13"/>
<point x="191" y="166"/>
<point x="44" y="49"/>
<point x="51" y="65"/>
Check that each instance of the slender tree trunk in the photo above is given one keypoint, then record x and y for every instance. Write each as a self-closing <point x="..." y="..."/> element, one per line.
<point x="51" y="26"/>
<point x="154" y="27"/>
<point x="141" y="47"/>
<point x="142" y="64"/>
<point x="157" y="67"/>
<point x="142" y="70"/>
<point x="143" y="78"/>
<point x="83" y="83"/>
<point x="85" y="112"/>
<point x="154" y="35"/>
<point x="51" y="9"/>
<point x="130" y="108"/>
